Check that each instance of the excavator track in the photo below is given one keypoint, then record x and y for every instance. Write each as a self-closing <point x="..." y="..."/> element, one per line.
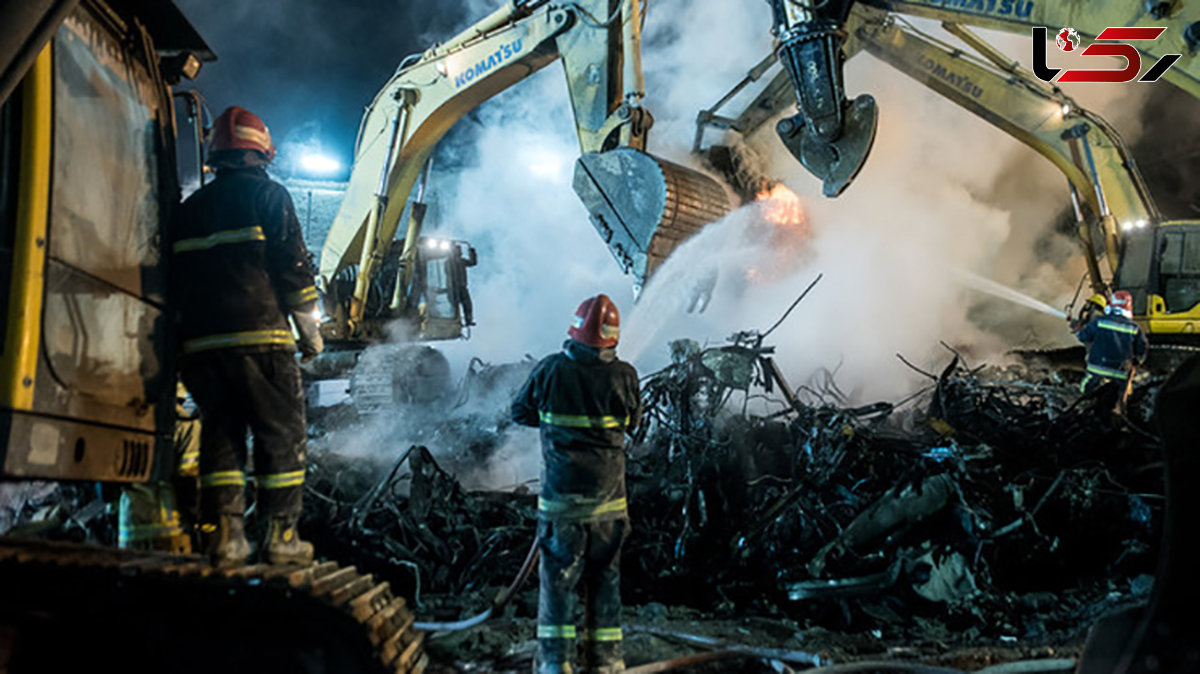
<point x="71" y="607"/>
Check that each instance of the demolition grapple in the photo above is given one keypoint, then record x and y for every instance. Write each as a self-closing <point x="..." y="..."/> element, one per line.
<point x="831" y="136"/>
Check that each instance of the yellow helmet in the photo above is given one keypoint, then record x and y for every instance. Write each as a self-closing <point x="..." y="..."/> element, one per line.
<point x="1098" y="300"/>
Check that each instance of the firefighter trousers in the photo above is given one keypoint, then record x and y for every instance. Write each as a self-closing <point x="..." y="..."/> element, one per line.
<point x="574" y="554"/>
<point x="256" y="393"/>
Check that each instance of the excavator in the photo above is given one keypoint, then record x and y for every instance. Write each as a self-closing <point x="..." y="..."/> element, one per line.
<point x="641" y="205"/>
<point x="1118" y="221"/>
<point x="88" y="179"/>
<point x="1157" y="260"/>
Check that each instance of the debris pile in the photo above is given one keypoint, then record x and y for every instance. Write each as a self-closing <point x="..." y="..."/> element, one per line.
<point x="992" y="503"/>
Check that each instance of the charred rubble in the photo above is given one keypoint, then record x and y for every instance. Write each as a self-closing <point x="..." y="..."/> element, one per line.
<point x="996" y="504"/>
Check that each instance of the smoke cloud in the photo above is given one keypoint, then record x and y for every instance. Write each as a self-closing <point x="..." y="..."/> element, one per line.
<point x="942" y="192"/>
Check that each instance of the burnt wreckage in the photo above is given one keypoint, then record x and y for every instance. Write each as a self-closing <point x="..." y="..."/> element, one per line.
<point x="996" y="506"/>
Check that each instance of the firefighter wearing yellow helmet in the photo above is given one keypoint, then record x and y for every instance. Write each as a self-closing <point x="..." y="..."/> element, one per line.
<point x="1095" y="306"/>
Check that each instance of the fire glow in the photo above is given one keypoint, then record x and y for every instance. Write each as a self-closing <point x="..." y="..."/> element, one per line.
<point x="784" y="223"/>
<point x="781" y="206"/>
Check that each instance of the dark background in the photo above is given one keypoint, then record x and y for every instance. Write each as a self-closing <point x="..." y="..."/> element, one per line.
<point x="310" y="67"/>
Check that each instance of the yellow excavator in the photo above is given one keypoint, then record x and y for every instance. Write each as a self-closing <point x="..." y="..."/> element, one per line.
<point x="381" y="277"/>
<point x="1157" y="260"/>
<point x="641" y="205"/>
<point x="88" y="181"/>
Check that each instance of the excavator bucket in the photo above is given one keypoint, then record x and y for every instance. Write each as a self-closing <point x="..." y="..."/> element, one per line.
<point x="836" y="163"/>
<point x="644" y="206"/>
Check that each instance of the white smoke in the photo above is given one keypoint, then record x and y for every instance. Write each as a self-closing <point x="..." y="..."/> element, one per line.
<point x="942" y="191"/>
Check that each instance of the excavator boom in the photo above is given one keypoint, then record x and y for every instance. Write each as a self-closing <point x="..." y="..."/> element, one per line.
<point x="1181" y="19"/>
<point x="641" y="205"/>
<point x="832" y="136"/>
<point x="1117" y="217"/>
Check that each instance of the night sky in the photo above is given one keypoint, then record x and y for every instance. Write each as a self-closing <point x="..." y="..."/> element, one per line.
<point x="309" y="67"/>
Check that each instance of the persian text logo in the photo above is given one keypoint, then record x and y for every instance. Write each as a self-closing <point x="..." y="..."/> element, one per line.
<point x="1068" y="41"/>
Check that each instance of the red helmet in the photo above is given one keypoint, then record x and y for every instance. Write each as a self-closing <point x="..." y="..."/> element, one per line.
<point x="597" y="323"/>
<point x="239" y="129"/>
<point x="1122" y="301"/>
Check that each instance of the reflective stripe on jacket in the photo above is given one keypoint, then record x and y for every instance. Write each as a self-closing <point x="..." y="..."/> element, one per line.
<point x="584" y="401"/>
<point x="1115" y="344"/>
<point x="239" y="264"/>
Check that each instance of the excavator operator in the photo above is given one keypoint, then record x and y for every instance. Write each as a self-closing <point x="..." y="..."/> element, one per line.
<point x="239" y="269"/>
<point x="1116" y="345"/>
<point x="584" y="400"/>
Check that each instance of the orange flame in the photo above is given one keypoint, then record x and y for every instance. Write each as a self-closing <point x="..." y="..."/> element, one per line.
<point x="781" y="206"/>
<point x="783" y="213"/>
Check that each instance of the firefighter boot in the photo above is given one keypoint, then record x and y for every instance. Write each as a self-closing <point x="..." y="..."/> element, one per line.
<point x="284" y="545"/>
<point x="227" y="546"/>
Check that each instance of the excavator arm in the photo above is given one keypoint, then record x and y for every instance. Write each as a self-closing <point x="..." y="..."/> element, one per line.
<point x="1106" y="187"/>
<point x="1181" y="19"/>
<point x="641" y="205"/>
<point x="1098" y="165"/>
<point x="834" y="148"/>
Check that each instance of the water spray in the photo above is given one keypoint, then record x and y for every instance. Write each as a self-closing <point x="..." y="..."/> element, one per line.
<point x="986" y="285"/>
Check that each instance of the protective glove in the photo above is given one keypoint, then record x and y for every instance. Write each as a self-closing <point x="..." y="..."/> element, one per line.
<point x="309" y="327"/>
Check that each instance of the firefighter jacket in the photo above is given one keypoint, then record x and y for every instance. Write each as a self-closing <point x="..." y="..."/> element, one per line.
<point x="239" y="264"/>
<point x="1115" y="344"/>
<point x="584" y="400"/>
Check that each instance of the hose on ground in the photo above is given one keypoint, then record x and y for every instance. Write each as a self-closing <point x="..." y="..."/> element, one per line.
<point x="1044" y="666"/>
<point x="498" y="603"/>
<point x="1047" y="666"/>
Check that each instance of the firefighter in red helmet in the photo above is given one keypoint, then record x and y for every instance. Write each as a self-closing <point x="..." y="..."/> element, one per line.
<point x="239" y="270"/>
<point x="584" y="400"/>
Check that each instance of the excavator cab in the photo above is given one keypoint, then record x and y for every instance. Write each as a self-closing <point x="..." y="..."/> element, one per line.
<point x="423" y="292"/>
<point x="87" y="181"/>
<point x="1160" y="267"/>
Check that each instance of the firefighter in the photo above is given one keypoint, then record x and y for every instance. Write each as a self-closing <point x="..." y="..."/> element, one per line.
<point x="1116" y="345"/>
<point x="584" y="400"/>
<point x="160" y="515"/>
<point x="1096" y="305"/>
<point x="240" y="268"/>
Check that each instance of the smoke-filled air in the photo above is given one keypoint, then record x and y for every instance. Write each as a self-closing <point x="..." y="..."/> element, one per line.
<point x="892" y="249"/>
<point x="944" y="202"/>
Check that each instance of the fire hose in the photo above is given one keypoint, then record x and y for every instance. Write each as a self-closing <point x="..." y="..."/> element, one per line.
<point x="505" y="596"/>
<point x="498" y="603"/>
